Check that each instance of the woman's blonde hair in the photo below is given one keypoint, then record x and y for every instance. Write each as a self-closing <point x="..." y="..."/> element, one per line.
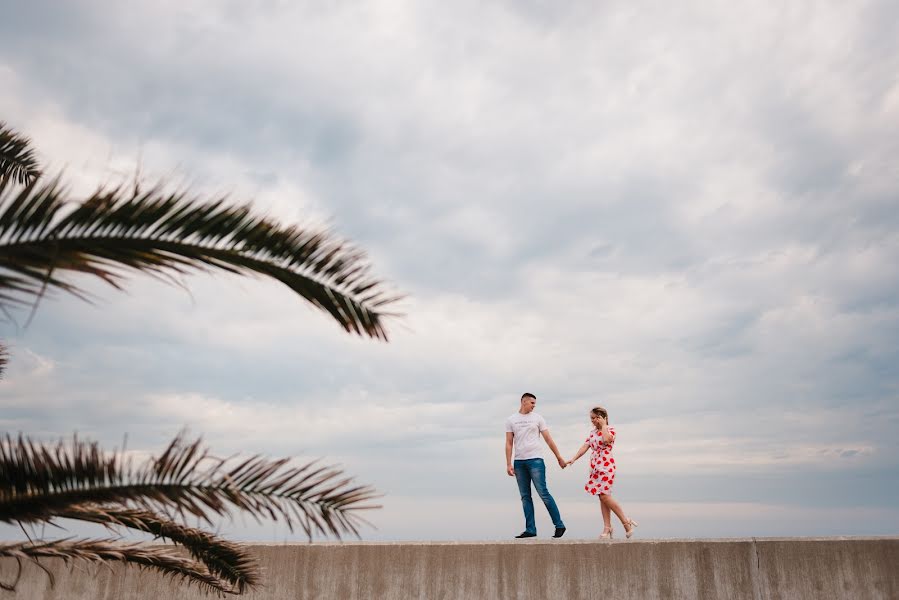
<point x="601" y="412"/>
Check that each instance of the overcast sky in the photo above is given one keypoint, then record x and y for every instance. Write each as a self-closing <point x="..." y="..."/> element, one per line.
<point x="686" y="212"/>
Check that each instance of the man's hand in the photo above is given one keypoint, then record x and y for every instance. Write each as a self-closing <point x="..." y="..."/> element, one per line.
<point x="562" y="462"/>
<point x="510" y="470"/>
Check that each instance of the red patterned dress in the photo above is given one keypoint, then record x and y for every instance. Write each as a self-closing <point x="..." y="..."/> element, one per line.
<point x="602" y="464"/>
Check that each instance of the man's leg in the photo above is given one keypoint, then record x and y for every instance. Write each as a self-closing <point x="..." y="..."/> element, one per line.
<point x="538" y="475"/>
<point x="523" y="477"/>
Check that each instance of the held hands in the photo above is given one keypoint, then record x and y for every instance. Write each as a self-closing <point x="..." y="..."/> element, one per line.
<point x="510" y="470"/>
<point x="562" y="462"/>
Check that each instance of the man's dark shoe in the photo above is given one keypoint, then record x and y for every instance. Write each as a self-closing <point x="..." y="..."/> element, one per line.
<point x="525" y="534"/>
<point x="560" y="531"/>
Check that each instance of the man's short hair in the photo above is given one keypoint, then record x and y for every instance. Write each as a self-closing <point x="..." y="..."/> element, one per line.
<point x="528" y="395"/>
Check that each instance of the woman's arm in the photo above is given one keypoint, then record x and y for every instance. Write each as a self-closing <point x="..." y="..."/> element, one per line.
<point x="579" y="454"/>
<point x="607" y="435"/>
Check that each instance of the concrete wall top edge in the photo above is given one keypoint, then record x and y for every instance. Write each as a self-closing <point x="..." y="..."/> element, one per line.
<point x="552" y="542"/>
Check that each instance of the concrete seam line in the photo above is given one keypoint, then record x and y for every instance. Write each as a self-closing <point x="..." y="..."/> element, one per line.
<point x="754" y="570"/>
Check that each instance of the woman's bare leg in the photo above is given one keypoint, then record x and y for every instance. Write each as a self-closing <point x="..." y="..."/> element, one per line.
<point x="606" y="516"/>
<point x="610" y="503"/>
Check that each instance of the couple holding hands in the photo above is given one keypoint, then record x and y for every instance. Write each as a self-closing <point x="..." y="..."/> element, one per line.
<point x="523" y="432"/>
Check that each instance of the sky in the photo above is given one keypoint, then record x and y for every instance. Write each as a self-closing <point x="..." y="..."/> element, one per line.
<point x="685" y="212"/>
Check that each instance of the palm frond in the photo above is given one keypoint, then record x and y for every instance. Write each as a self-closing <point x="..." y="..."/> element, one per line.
<point x="226" y="560"/>
<point x="146" y="556"/>
<point x="17" y="160"/>
<point x="4" y="358"/>
<point x="45" y="238"/>
<point x="39" y="481"/>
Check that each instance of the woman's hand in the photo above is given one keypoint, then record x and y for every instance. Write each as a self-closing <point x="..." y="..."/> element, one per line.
<point x="602" y="421"/>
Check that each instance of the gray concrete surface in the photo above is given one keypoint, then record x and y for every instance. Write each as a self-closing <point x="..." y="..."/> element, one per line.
<point x="751" y="569"/>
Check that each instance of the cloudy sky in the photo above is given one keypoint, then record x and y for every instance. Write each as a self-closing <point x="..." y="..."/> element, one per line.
<point x="687" y="212"/>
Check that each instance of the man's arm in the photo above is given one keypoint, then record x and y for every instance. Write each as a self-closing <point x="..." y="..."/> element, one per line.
<point x="552" y="446"/>
<point x="509" y="469"/>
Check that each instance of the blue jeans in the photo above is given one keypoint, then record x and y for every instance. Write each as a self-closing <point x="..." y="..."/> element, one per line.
<point x="534" y="470"/>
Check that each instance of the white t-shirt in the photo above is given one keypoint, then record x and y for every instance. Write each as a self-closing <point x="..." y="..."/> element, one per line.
<point x="526" y="431"/>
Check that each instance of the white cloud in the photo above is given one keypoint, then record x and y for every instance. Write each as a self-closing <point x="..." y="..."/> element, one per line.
<point x="686" y="214"/>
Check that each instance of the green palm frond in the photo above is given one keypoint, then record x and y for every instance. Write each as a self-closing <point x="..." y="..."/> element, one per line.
<point x="45" y="238"/>
<point x="37" y="482"/>
<point x="158" y="558"/>
<point x="17" y="161"/>
<point x="226" y="560"/>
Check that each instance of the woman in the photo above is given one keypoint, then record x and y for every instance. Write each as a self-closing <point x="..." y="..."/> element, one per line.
<point x="602" y="471"/>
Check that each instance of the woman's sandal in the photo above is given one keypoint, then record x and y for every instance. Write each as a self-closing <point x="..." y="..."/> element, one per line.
<point x="629" y="531"/>
<point x="606" y="535"/>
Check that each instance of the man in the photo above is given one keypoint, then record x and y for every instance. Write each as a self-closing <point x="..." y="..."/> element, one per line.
<point x="523" y="431"/>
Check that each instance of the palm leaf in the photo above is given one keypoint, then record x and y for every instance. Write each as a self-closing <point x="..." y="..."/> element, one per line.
<point x="4" y="358"/>
<point x="226" y="560"/>
<point x="45" y="238"/>
<point x="146" y="556"/>
<point x="17" y="161"/>
<point x="37" y="482"/>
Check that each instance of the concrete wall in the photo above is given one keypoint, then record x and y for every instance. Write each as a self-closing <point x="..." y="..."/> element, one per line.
<point x="750" y="569"/>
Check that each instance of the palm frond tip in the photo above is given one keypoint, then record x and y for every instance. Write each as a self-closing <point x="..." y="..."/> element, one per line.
<point x="44" y="240"/>
<point x="4" y="358"/>
<point x="38" y="482"/>
<point x="17" y="160"/>
<point x="158" y="558"/>
<point x="226" y="560"/>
